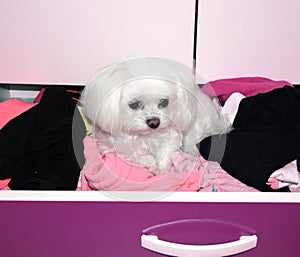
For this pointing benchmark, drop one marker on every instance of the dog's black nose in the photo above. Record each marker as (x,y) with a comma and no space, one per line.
(153,122)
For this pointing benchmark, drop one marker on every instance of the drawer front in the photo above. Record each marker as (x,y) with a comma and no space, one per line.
(94,229)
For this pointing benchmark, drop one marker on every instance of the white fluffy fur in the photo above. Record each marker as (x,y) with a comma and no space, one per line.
(188,116)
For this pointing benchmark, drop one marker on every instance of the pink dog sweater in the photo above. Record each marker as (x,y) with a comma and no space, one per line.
(110,173)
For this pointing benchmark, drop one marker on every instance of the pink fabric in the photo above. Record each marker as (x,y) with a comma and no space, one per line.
(4,184)
(286,176)
(10,109)
(38,98)
(221,181)
(111,173)
(248,86)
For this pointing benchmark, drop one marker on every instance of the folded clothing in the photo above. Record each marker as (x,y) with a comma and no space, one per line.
(110,173)
(286,176)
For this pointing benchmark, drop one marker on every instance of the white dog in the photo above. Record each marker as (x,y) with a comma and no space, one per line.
(147,109)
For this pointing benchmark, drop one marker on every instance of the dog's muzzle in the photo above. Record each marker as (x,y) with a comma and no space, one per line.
(153,122)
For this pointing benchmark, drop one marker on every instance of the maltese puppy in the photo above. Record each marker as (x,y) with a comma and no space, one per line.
(147,109)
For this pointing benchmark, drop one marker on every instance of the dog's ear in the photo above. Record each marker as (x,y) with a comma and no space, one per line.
(185,109)
(108,114)
(101,100)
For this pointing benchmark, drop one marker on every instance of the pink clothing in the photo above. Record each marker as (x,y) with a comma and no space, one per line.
(248,86)
(10,109)
(4,184)
(110,173)
(286,176)
(221,181)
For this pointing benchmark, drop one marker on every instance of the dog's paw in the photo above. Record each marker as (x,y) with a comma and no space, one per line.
(162,167)
(154,170)
(147,161)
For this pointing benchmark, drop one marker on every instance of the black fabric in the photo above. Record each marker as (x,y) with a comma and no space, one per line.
(42,148)
(266,137)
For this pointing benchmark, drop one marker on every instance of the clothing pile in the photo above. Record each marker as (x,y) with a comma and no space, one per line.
(41,147)
(49,145)
(265,139)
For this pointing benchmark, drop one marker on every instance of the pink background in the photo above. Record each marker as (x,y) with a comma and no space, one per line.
(249,37)
(67,41)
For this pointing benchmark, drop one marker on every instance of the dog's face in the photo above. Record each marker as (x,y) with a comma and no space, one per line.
(148,106)
(141,96)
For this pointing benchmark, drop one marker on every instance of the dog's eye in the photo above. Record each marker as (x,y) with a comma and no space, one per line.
(163,103)
(135,105)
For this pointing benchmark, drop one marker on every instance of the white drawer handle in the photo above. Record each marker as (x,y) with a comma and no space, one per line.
(153,243)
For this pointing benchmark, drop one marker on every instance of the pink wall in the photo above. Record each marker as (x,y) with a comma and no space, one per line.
(66,41)
(253,37)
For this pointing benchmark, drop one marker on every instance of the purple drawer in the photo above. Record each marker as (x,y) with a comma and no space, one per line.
(113,228)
